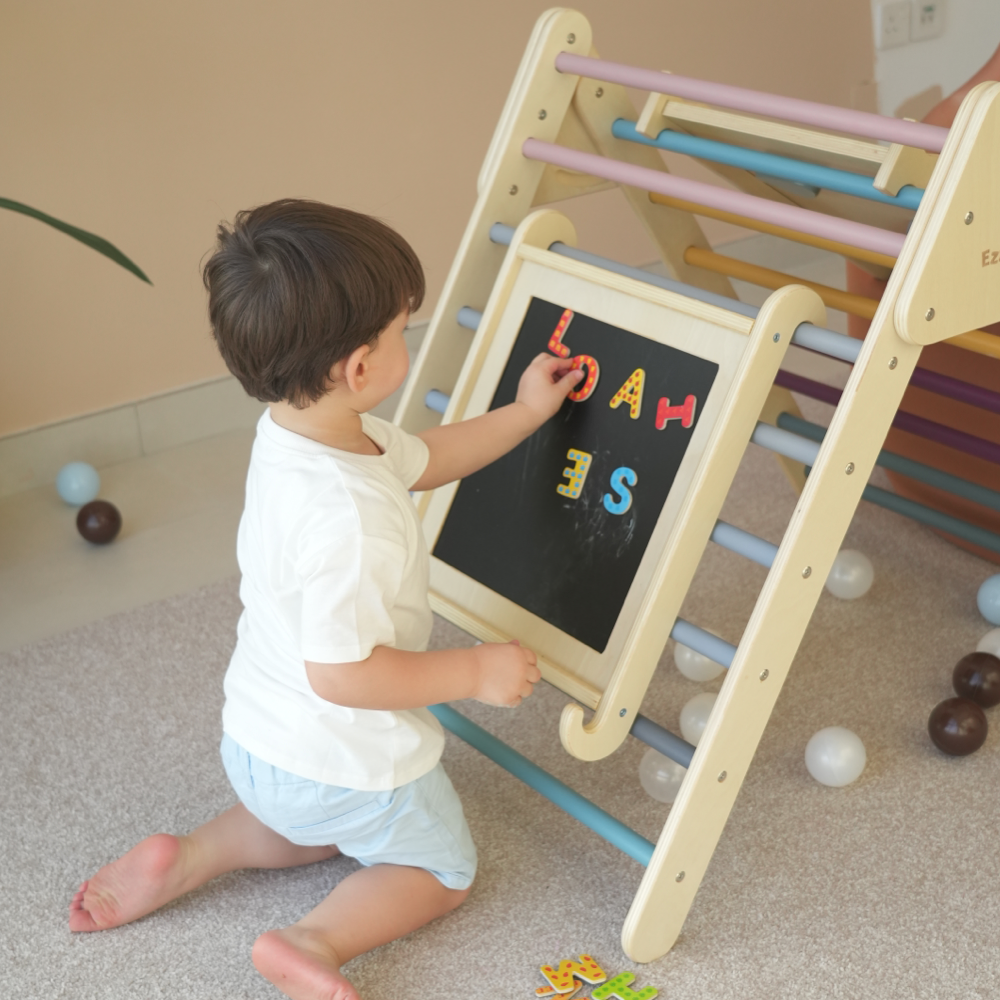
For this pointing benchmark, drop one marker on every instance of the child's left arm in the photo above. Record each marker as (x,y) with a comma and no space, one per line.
(458,450)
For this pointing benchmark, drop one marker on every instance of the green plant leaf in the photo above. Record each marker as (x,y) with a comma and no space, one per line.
(92,241)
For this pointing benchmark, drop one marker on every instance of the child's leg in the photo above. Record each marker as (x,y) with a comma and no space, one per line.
(368,908)
(163,867)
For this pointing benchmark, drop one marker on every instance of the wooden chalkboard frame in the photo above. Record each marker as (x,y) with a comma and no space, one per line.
(748,354)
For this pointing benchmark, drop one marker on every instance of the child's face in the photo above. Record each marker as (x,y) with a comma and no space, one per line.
(390,359)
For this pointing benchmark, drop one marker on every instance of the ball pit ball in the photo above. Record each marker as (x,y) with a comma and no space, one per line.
(694,716)
(695,666)
(988,599)
(78,483)
(99,522)
(957,726)
(977,677)
(990,643)
(835,756)
(851,575)
(659,776)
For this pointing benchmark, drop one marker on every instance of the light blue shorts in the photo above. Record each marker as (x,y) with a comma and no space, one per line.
(420,824)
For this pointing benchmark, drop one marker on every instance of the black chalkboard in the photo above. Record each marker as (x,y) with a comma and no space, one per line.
(571,560)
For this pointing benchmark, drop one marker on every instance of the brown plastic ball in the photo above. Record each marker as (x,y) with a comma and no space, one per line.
(977,677)
(99,521)
(957,726)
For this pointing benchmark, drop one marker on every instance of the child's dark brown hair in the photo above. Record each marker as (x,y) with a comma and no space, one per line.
(296,286)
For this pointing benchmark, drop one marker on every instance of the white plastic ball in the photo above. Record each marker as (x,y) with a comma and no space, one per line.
(695,666)
(988,599)
(694,716)
(78,483)
(990,643)
(659,776)
(835,756)
(851,575)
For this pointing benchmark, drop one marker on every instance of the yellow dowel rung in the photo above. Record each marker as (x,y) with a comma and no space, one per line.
(977,341)
(855,253)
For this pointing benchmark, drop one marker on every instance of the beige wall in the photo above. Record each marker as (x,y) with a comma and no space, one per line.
(147,124)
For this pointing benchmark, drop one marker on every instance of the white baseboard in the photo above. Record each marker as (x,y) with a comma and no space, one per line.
(34,457)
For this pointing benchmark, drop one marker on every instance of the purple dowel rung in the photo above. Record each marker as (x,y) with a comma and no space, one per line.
(855,234)
(792,109)
(953,388)
(908,422)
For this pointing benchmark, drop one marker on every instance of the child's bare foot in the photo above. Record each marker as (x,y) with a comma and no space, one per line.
(139,882)
(302,965)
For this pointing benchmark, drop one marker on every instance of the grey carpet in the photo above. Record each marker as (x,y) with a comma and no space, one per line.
(886,888)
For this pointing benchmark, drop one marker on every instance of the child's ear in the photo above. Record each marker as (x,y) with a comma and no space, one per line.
(354,368)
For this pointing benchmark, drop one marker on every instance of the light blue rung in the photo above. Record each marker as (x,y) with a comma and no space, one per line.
(785,443)
(770,165)
(592,816)
(814,338)
(436,400)
(655,736)
(743,543)
(703,642)
(469,317)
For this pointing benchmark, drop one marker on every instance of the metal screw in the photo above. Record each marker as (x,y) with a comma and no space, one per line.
(850,468)
(571,38)
(807,572)
(722,776)
(599,92)
(929,315)
(542,115)
(893,362)
(513,189)
(968,218)
(623,713)
(680,877)
(764,674)
(776,337)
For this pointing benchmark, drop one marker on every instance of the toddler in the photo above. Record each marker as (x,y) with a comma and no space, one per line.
(327,739)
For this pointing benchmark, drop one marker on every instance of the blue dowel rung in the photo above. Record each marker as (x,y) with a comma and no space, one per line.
(580,808)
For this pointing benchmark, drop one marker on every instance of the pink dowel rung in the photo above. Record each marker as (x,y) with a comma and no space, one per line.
(929,137)
(855,234)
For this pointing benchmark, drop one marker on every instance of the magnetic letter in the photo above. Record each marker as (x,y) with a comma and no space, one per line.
(561,980)
(618,987)
(684,413)
(618,478)
(631,393)
(556,346)
(589,384)
(576,475)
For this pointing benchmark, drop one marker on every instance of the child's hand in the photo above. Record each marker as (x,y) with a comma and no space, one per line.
(546,382)
(507,673)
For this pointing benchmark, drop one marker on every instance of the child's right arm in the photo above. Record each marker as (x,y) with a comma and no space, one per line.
(393,679)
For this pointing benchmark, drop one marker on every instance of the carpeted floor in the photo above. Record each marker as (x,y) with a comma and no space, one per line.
(886,888)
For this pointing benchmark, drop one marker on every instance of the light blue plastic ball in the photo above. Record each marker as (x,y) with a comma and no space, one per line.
(988,599)
(78,483)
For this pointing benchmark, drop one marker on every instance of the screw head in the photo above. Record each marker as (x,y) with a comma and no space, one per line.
(722,776)
(679,877)
(893,362)
(929,315)
(968,218)
(850,468)
(599,92)
(542,115)
(776,337)
(807,572)
(764,674)
(513,189)
(623,713)
(570,38)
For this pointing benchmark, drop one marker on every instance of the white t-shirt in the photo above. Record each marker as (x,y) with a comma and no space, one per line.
(334,563)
